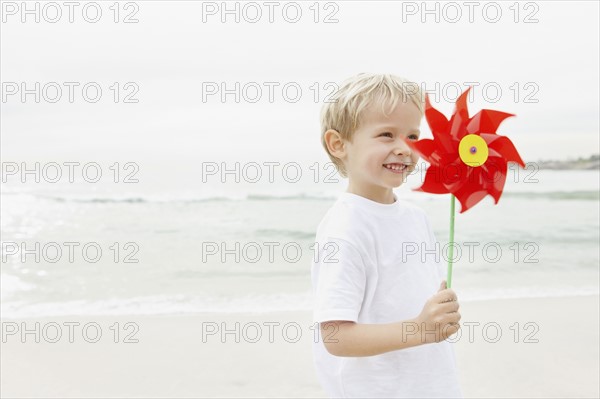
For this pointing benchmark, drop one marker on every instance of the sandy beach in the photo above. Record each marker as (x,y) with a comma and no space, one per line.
(552,352)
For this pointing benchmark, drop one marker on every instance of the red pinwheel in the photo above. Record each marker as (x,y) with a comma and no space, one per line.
(468,159)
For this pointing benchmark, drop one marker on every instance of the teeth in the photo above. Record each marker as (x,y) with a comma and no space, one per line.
(395,166)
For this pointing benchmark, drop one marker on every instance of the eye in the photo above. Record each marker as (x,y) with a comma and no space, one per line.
(413,137)
(386,134)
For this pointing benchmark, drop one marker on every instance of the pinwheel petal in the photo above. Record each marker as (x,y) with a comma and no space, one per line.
(461,105)
(456,175)
(494,176)
(469,199)
(506,148)
(487,121)
(493,153)
(424,148)
(460,117)
(457,126)
(472,190)
(435,119)
(432,182)
(446,144)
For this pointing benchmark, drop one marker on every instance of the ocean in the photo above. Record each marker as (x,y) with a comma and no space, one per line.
(173,244)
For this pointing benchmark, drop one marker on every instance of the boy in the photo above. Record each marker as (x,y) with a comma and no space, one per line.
(384,316)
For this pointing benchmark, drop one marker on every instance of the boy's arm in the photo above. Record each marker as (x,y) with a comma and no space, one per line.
(347,338)
(438,320)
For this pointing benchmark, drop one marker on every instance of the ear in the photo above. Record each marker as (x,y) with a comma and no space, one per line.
(335,144)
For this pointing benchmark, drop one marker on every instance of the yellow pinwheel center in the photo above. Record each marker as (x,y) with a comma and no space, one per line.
(473,150)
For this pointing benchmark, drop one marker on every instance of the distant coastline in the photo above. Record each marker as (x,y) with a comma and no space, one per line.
(590,163)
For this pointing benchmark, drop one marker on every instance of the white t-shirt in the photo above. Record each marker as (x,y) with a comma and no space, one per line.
(382,275)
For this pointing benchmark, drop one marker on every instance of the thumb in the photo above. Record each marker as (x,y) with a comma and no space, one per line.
(442,285)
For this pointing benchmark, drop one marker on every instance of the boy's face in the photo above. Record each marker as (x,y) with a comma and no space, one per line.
(378,158)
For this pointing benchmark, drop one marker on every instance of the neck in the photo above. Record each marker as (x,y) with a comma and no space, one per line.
(374,193)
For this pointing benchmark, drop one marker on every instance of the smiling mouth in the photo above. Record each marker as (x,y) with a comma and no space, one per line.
(395,167)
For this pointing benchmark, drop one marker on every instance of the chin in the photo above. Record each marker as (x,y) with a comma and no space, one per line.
(391,185)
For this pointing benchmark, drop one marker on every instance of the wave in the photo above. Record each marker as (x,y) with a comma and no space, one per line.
(278,233)
(556,195)
(281,302)
(588,195)
(175,199)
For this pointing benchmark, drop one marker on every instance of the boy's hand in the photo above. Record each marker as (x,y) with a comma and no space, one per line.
(439,318)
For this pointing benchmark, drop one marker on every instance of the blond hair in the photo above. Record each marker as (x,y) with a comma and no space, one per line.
(344,111)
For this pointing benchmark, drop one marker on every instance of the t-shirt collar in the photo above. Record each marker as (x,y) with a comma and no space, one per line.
(370,205)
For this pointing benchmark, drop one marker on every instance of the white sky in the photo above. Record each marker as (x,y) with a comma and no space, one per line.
(170,52)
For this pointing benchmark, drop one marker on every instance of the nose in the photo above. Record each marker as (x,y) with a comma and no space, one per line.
(402,148)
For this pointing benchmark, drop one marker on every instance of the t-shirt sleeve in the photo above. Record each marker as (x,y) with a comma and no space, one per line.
(340,272)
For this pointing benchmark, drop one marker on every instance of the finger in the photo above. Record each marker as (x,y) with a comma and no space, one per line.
(451,295)
(450,292)
(450,307)
(451,329)
(442,285)
(444,297)
(454,318)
